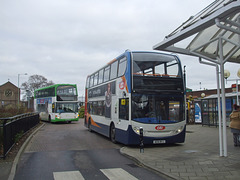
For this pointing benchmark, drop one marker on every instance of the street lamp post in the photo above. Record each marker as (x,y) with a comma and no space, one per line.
(18,88)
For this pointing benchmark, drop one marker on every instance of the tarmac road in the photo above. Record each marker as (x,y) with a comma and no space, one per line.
(70,151)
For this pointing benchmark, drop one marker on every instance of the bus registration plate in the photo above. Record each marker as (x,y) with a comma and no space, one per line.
(159,141)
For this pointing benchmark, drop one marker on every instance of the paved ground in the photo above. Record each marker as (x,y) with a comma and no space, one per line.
(70,149)
(197,158)
(8,165)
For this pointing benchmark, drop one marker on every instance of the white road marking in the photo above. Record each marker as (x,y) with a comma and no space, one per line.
(117,174)
(68,175)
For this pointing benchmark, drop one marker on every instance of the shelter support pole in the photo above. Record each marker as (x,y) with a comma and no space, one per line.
(237,92)
(219,114)
(219,105)
(223,97)
(239,43)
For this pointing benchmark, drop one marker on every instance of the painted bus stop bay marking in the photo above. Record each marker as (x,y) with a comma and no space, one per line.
(112,174)
(117,174)
(70,175)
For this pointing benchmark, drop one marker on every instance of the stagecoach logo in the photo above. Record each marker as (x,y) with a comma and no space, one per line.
(122,85)
(160,127)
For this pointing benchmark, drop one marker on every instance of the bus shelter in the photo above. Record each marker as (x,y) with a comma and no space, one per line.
(213,34)
(209,108)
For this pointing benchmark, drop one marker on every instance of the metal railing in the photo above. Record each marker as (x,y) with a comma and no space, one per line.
(12,128)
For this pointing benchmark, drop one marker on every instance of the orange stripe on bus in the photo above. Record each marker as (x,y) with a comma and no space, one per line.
(112,61)
(94,124)
(125,82)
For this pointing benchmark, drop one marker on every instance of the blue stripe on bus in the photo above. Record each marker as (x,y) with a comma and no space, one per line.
(128,72)
(153,120)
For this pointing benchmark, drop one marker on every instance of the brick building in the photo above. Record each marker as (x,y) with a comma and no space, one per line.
(197,94)
(9,94)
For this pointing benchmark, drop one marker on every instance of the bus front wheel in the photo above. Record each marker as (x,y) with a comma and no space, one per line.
(113,133)
(49,118)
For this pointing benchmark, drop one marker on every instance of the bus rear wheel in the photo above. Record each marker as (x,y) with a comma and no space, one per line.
(113,133)
(89,125)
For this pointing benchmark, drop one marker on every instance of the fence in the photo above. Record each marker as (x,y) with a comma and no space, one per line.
(12,128)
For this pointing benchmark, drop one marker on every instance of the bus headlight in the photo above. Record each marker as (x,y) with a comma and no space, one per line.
(136,130)
(57,116)
(179,129)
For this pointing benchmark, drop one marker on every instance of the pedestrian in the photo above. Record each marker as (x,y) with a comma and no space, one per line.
(235,124)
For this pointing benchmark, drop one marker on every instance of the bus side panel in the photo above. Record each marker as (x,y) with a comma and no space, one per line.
(129,137)
(86,116)
(102,129)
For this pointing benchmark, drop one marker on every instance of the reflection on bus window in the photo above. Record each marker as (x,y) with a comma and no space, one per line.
(106,74)
(122,66)
(100,78)
(66,93)
(156,109)
(66,107)
(155,65)
(114,67)
(124,108)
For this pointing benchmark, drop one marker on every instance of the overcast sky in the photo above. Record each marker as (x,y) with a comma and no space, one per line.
(65,40)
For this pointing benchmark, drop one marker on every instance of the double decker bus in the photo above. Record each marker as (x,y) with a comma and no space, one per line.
(137,90)
(57,103)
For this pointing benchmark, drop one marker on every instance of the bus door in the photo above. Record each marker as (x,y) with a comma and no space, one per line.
(114,109)
(43,111)
(123,113)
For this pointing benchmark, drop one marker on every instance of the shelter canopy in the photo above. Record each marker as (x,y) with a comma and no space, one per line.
(200,33)
(214,35)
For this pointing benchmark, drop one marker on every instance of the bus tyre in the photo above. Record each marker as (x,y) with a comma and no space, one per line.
(89,125)
(113,133)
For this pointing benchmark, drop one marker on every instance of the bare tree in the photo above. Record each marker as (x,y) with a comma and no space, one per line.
(35,82)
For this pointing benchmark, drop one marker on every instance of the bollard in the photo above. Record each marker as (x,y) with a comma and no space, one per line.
(141,140)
